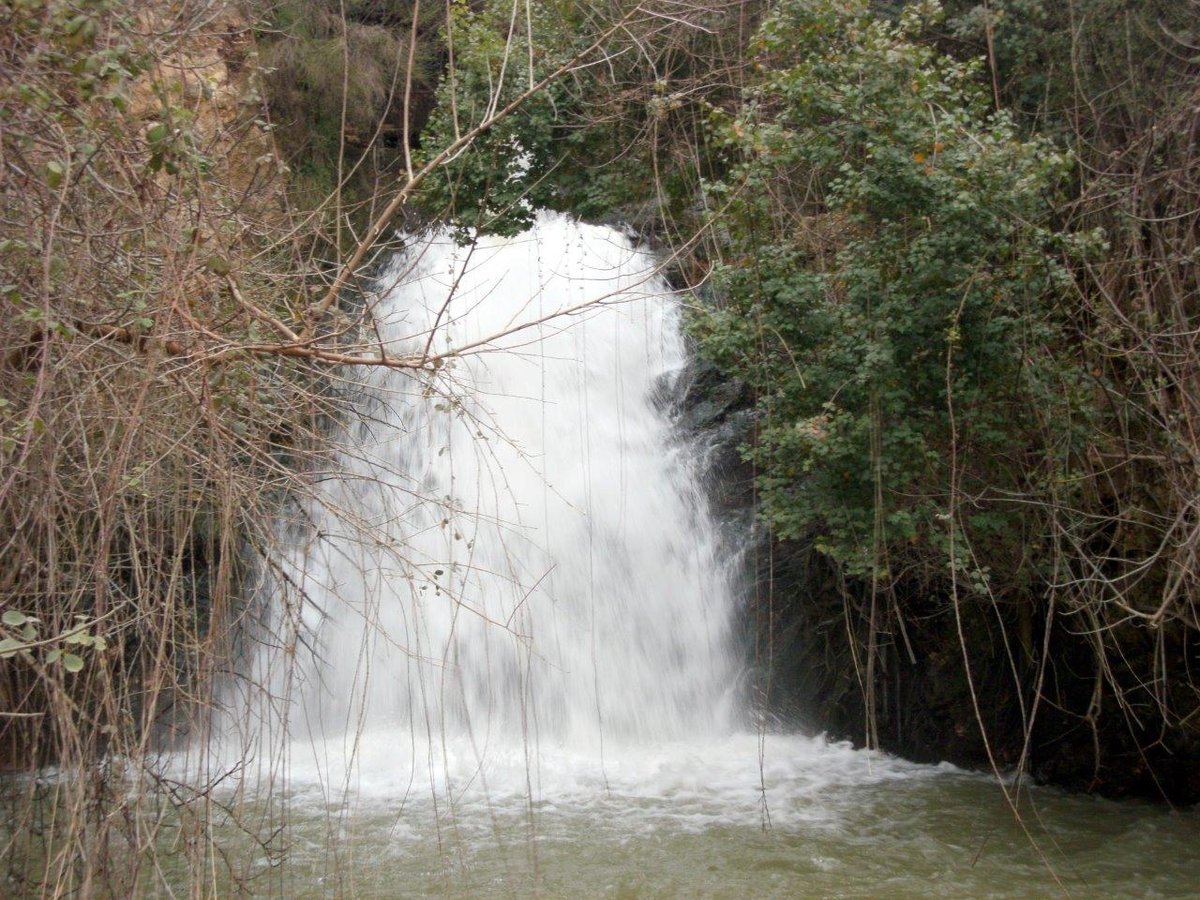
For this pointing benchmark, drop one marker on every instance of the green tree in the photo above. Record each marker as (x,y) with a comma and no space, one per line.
(496,183)
(891,289)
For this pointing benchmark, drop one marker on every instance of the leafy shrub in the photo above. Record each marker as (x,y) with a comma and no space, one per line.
(892,290)
(621,135)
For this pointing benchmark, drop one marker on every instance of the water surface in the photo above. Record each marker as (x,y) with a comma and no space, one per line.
(813,820)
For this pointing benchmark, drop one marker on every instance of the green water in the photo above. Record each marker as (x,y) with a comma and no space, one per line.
(741,817)
(835,823)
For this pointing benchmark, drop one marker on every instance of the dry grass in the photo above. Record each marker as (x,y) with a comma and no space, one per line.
(144,230)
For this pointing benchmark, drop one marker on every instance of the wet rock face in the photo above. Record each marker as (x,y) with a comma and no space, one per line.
(712,399)
(717,412)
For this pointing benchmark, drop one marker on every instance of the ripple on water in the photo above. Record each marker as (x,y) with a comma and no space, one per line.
(690,821)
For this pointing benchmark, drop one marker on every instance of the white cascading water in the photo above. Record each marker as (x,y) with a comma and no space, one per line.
(513,557)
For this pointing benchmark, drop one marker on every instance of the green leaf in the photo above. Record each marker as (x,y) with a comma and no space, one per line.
(53,656)
(55,173)
(14,618)
(157,133)
(72,663)
(9,647)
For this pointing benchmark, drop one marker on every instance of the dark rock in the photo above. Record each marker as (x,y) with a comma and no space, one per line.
(711,397)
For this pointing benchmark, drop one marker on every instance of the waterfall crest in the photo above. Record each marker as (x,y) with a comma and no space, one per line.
(513,552)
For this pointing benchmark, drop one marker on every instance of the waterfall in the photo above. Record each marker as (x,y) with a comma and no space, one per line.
(497,660)
(513,554)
